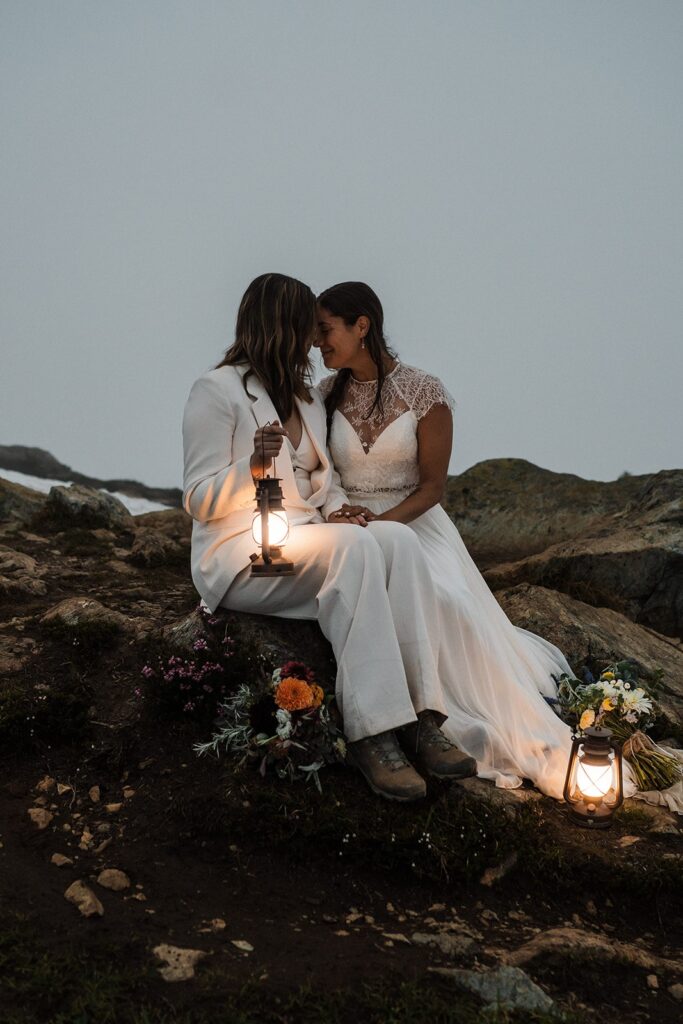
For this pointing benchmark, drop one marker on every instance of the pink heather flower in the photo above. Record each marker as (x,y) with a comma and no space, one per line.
(148,672)
(200,645)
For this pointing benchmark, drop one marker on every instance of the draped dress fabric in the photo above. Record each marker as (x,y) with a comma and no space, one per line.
(494,675)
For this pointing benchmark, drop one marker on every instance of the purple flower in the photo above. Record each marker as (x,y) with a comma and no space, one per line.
(200,645)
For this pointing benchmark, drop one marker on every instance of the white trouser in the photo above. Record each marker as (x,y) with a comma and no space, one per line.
(370,591)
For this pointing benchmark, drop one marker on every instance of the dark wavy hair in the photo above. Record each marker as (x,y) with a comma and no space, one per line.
(275,322)
(350,300)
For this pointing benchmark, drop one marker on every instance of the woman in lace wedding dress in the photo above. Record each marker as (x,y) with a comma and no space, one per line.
(390,430)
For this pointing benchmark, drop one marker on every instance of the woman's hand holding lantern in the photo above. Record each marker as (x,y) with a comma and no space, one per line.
(268,441)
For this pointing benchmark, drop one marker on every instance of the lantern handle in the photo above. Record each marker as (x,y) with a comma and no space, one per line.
(264,512)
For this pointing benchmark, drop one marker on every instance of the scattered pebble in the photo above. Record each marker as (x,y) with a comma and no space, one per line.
(112,878)
(94,794)
(40,817)
(179,963)
(216,924)
(652,981)
(60,860)
(84,898)
(243,945)
(627,841)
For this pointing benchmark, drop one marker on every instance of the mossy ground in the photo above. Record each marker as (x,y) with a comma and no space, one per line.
(314,882)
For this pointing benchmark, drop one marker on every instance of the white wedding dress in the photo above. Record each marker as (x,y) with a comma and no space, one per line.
(495,676)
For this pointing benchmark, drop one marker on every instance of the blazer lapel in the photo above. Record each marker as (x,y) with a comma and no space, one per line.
(314,422)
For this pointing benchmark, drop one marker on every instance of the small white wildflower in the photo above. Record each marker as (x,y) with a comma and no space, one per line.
(284,724)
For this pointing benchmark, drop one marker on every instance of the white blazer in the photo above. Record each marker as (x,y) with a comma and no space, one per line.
(219,423)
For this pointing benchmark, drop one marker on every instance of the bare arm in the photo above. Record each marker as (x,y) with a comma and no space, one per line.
(434,442)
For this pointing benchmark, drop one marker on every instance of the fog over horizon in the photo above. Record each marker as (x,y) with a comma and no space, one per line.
(507,176)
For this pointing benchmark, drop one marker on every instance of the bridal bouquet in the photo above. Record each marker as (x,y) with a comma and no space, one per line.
(615,701)
(283,722)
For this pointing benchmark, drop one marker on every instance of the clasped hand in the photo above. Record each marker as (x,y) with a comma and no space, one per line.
(357,514)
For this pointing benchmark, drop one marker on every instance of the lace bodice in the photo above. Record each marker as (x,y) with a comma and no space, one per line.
(377,453)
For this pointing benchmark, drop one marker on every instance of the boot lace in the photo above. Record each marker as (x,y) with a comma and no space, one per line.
(389,753)
(431,735)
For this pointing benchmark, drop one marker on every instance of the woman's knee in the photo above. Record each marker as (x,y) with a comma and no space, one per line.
(394,535)
(355,542)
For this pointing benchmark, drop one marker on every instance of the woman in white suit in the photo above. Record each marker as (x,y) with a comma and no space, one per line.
(360,581)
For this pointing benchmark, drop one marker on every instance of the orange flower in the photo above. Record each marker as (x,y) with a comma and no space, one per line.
(318,694)
(294,694)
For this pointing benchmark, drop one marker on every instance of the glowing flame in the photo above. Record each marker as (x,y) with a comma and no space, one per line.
(595,781)
(278,528)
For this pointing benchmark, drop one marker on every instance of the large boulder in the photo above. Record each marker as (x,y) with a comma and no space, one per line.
(84,618)
(85,507)
(20,575)
(18,503)
(173,522)
(583,632)
(632,562)
(152,548)
(506,509)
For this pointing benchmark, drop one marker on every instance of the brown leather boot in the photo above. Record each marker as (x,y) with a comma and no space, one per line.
(433,752)
(386,770)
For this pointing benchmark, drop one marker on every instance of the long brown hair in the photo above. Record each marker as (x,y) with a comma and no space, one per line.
(350,300)
(275,322)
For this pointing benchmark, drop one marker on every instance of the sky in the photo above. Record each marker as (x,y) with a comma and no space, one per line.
(506,174)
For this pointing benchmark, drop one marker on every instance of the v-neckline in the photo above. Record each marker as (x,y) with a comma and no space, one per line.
(366,451)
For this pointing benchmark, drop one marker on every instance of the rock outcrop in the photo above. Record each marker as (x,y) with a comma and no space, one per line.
(585,633)
(38,462)
(631,562)
(84,506)
(507,509)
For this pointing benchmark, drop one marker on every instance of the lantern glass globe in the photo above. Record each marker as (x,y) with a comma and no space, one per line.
(278,527)
(595,781)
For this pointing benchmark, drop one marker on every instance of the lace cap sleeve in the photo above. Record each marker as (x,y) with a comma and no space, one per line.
(324,386)
(430,392)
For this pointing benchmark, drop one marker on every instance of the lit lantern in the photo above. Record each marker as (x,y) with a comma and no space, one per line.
(594,786)
(270,529)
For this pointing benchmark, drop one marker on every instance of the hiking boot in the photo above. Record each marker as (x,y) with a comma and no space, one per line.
(433,751)
(386,770)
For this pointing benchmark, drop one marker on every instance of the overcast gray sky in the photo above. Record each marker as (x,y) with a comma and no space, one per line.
(506,175)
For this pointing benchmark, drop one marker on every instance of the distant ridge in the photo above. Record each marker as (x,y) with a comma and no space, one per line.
(38,462)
